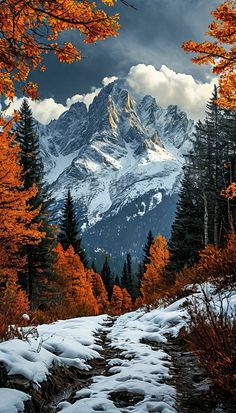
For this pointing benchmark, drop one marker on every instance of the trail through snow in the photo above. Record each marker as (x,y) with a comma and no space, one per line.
(128,372)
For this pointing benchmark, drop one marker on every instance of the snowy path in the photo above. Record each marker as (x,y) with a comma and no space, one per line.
(137,378)
(134,363)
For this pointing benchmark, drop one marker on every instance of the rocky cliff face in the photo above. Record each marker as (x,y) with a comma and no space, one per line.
(122,161)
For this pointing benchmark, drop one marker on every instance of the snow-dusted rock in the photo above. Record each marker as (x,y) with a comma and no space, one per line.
(121,160)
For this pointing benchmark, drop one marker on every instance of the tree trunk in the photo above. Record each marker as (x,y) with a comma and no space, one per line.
(205,219)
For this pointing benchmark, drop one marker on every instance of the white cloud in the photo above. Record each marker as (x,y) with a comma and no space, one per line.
(43,110)
(87,98)
(46,110)
(169,87)
(107,80)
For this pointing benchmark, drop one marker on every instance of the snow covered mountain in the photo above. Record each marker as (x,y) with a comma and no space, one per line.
(122,161)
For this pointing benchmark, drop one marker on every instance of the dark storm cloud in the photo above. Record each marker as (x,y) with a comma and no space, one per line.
(152,35)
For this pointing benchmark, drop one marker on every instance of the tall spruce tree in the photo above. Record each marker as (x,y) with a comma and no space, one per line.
(69,234)
(203,216)
(39,269)
(128,279)
(139,277)
(187,230)
(107,278)
(146,250)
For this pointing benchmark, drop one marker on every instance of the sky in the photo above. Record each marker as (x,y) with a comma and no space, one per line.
(147,52)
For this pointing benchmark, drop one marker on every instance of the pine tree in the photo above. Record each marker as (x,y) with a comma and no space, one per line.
(39,258)
(139,277)
(30,158)
(128,279)
(203,215)
(124,275)
(107,278)
(187,230)
(69,234)
(146,250)
(130,284)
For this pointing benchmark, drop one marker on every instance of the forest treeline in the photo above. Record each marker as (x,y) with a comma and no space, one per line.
(44,268)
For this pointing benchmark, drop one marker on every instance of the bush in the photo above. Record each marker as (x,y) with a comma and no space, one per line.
(212,337)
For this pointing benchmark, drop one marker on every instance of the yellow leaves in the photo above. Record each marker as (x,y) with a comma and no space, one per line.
(222,58)
(28,27)
(109,2)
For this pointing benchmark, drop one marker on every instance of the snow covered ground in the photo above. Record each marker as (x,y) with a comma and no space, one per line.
(138,368)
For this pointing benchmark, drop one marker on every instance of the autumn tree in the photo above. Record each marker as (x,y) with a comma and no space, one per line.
(154,279)
(69,234)
(16,227)
(31,29)
(120,301)
(220,52)
(75,296)
(13,305)
(99,290)
(39,266)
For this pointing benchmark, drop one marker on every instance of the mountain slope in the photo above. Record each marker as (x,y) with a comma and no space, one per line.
(122,161)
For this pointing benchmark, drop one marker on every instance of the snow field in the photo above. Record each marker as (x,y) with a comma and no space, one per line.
(137,367)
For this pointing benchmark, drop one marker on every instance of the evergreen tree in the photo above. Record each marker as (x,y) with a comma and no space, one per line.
(40,258)
(69,234)
(146,250)
(124,275)
(30,159)
(107,278)
(139,277)
(203,215)
(187,230)
(128,278)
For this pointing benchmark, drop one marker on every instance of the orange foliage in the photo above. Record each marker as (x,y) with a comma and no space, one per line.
(13,304)
(15,215)
(99,290)
(121,301)
(217,265)
(212,339)
(75,295)
(16,228)
(230,191)
(153,280)
(30,29)
(222,58)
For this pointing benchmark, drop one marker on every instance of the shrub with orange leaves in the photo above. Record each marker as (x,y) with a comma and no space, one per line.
(75,295)
(13,304)
(220,52)
(153,280)
(217,265)
(30,29)
(211,336)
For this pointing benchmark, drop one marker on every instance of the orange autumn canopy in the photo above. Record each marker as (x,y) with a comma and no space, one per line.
(29,29)
(221,52)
